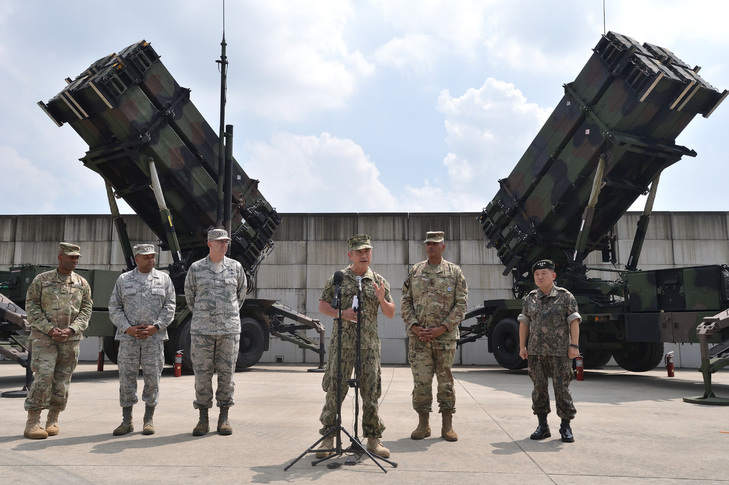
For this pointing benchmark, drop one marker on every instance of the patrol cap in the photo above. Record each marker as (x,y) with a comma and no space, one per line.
(434,236)
(143,249)
(359,241)
(543,264)
(218,235)
(69,249)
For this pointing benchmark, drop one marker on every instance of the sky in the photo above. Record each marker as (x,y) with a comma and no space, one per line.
(351,106)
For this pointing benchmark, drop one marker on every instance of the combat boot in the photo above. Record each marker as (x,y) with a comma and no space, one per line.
(326,447)
(33,429)
(423,429)
(565,431)
(447,430)
(224,427)
(52,422)
(147,424)
(542,430)
(127,425)
(375,447)
(203,425)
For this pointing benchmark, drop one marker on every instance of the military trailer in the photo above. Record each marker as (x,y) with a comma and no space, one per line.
(154,150)
(604,145)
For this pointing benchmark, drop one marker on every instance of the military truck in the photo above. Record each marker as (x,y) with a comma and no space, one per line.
(604,145)
(154,150)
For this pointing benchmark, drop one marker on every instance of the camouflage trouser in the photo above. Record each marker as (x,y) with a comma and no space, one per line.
(370,389)
(52,364)
(428,359)
(211,354)
(133,354)
(541,367)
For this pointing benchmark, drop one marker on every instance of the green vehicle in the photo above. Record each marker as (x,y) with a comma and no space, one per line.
(605,144)
(154,150)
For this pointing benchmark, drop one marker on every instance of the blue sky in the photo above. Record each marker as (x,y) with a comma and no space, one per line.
(343,106)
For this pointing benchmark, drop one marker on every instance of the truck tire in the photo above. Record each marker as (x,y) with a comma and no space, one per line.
(505,344)
(594,359)
(639,356)
(111,349)
(251,343)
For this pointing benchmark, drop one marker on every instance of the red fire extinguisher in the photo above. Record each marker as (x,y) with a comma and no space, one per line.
(579,366)
(100,360)
(669,364)
(178,363)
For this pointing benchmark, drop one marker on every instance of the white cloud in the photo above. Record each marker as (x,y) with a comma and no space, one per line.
(22,178)
(317,174)
(413,52)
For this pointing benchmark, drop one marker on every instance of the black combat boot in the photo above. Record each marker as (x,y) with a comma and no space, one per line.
(566,432)
(542,430)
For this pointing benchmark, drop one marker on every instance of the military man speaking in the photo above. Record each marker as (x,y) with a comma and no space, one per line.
(58,305)
(141,307)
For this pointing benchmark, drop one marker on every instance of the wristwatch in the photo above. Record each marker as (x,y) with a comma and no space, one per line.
(575,346)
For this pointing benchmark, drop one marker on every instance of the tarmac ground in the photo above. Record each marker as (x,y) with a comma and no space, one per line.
(630,428)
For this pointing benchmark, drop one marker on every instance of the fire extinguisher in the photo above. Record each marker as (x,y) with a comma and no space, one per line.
(178,363)
(579,366)
(669,363)
(100,360)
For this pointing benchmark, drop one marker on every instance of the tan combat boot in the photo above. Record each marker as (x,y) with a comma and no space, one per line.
(447,431)
(327,445)
(127,425)
(423,429)
(224,427)
(52,422)
(33,428)
(375,447)
(147,423)
(203,424)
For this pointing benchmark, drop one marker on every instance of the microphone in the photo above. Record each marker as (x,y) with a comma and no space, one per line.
(338,279)
(358,279)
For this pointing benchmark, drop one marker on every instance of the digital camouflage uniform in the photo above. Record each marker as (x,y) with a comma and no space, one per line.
(55,300)
(141,299)
(548,318)
(369,376)
(433,296)
(215,294)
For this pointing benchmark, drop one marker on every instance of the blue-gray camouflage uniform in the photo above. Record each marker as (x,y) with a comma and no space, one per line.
(63,301)
(369,376)
(215,294)
(433,296)
(548,318)
(141,299)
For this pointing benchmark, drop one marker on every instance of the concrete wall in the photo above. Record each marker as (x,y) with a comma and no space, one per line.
(311,247)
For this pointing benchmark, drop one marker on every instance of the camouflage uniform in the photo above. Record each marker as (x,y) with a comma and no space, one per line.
(62,301)
(141,299)
(548,318)
(215,295)
(369,376)
(433,296)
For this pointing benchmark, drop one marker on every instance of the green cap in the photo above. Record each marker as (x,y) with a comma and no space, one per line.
(543,264)
(69,249)
(359,241)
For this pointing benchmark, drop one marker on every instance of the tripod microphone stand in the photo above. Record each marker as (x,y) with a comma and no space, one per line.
(356,445)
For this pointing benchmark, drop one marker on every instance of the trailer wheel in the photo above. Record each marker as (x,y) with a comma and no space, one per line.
(251,343)
(505,344)
(111,349)
(594,359)
(639,356)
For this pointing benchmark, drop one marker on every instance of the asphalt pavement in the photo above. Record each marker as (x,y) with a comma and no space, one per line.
(630,428)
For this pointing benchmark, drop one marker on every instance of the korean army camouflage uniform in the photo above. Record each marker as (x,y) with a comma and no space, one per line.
(141,299)
(55,300)
(548,318)
(369,377)
(433,296)
(215,294)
